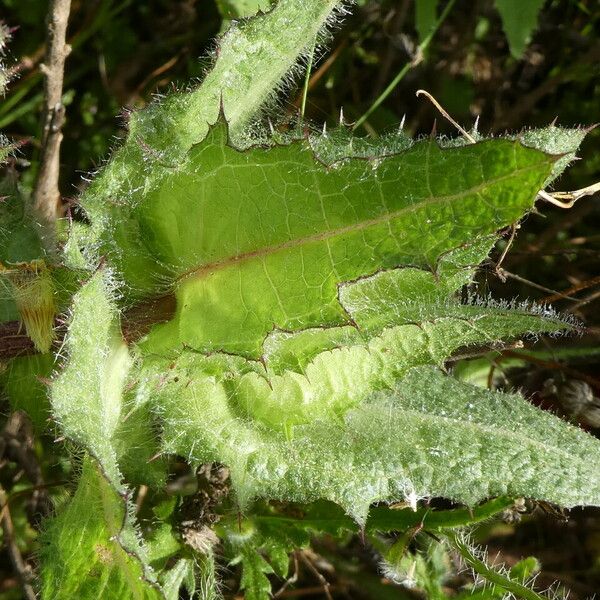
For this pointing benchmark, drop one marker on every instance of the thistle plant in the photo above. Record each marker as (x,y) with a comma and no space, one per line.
(280,303)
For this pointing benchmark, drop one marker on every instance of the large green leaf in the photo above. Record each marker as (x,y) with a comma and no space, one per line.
(253,61)
(261,239)
(283,425)
(315,283)
(430,436)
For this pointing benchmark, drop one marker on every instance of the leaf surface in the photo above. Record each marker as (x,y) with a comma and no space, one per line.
(261,239)
(252,62)
(519,20)
(87,395)
(430,436)
(91,550)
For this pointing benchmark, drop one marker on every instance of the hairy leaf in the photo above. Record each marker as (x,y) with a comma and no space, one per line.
(431,436)
(91,550)
(255,569)
(262,238)
(181,574)
(558,141)
(87,395)
(252,61)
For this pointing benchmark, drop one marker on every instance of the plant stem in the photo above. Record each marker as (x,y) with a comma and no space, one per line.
(421,48)
(480,567)
(46,194)
(307,79)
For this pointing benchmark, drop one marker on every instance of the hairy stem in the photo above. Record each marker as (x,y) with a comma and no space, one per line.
(480,567)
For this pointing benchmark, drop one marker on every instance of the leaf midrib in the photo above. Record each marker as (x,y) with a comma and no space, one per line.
(209,268)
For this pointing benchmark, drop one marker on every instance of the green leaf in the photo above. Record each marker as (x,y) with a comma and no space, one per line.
(278,261)
(384,519)
(235,9)
(253,60)
(88,398)
(182,573)
(107,556)
(402,318)
(293,526)
(87,395)
(425,569)
(519,20)
(425,17)
(255,568)
(91,549)
(456,441)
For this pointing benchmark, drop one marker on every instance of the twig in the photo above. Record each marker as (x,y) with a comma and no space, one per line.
(513,232)
(445,114)
(158,71)
(14,341)
(46,194)
(22,569)
(324,583)
(504,273)
(552,365)
(567,199)
(586,300)
(575,288)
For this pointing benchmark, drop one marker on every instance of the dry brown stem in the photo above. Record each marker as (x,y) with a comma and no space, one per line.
(46,194)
